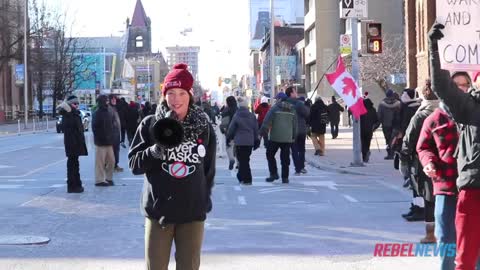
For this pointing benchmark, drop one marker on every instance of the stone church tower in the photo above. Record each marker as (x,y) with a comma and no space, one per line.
(139,33)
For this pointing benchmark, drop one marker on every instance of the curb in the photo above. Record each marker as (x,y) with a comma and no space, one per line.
(332,168)
(12,134)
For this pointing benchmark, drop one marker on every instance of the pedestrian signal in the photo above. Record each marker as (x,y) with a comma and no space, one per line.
(374,38)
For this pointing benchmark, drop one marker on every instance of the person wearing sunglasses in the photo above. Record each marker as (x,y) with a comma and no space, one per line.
(74,142)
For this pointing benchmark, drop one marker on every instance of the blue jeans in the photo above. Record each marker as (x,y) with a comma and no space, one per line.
(298,152)
(445,207)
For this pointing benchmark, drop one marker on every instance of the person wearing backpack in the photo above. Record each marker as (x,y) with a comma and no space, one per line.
(227,115)
(318,122)
(280,124)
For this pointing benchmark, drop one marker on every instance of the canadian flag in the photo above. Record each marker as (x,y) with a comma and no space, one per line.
(347,88)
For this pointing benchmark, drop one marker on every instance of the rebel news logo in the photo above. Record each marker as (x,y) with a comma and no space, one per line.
(414,250)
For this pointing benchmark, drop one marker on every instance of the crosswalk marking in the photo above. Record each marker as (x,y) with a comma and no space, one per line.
(329,184)
(22,180)
(350,198)
(10,186)
(58,185)
(289,189)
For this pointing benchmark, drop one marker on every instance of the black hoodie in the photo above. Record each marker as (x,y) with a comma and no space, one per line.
(178,185)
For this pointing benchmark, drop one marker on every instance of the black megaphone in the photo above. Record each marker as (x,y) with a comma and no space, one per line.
(168,131)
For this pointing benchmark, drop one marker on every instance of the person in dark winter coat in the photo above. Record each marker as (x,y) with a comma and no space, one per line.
(178,180)
(133,118)
(122,108)
(261,110)
(116,131)
(244,131)
(334,110)
(147,110)
(318,123)
(388,111)
(298,147)
(409,106)
(412,168)
(368,124)
(465,109)
(227,115)
(74,141)
(103,136)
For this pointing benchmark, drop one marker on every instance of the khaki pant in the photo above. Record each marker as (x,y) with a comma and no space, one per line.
(318,141)
(104,163)
(188,239)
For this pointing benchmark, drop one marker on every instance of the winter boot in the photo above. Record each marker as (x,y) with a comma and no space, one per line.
(412,207)
(417,215)
(272,178)
(429,234)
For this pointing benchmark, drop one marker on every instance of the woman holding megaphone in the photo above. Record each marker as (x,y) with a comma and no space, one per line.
(175,150)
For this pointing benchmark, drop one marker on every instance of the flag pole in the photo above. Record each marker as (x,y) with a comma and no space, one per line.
(357,143)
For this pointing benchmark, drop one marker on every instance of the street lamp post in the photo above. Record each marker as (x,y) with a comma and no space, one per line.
(25,60)
(272,50)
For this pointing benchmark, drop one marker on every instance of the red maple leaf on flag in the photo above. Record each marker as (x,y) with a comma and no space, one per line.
(349,87)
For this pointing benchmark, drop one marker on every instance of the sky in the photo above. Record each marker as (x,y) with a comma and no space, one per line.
(219,27)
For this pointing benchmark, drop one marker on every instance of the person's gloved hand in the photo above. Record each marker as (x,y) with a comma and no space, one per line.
(157,151)
(435,34)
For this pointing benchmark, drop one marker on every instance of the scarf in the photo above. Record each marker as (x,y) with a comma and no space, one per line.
(194,124)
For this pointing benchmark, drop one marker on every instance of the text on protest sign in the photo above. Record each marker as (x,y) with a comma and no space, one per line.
(460,48)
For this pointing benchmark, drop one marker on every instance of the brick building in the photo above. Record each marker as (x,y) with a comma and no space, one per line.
(419,17)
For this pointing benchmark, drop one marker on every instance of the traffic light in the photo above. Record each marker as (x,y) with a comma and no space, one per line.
(220,80)
(374,38)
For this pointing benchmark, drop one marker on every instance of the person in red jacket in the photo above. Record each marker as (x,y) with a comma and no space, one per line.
(262,110)
(436,146)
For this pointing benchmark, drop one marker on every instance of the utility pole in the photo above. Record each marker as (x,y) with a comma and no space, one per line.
(25,62)
(148,78)
(357,143)
(272,51)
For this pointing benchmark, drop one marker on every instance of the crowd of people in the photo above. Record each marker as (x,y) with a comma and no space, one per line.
(283,125)
(114,123)
(432,135)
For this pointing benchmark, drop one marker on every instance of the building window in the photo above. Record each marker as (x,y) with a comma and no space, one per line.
(311,36)
(313,75)
(139,42)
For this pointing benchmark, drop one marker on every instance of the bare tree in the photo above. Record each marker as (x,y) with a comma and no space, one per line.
(11,35)
(58,58)
(40,36)
(378,67)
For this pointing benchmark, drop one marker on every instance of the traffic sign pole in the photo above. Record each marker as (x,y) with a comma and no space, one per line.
(357,143)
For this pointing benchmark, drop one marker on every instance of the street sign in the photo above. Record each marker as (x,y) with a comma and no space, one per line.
(354,9)
(345,44)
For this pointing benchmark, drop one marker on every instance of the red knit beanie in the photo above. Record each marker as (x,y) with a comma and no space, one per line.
(178,77)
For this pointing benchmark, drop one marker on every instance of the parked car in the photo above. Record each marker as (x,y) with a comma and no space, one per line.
(85,115)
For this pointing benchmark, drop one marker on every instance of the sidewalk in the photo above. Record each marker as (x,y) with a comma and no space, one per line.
(339,155)
(9,129)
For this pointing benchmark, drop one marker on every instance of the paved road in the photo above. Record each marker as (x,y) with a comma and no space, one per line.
(322,220)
